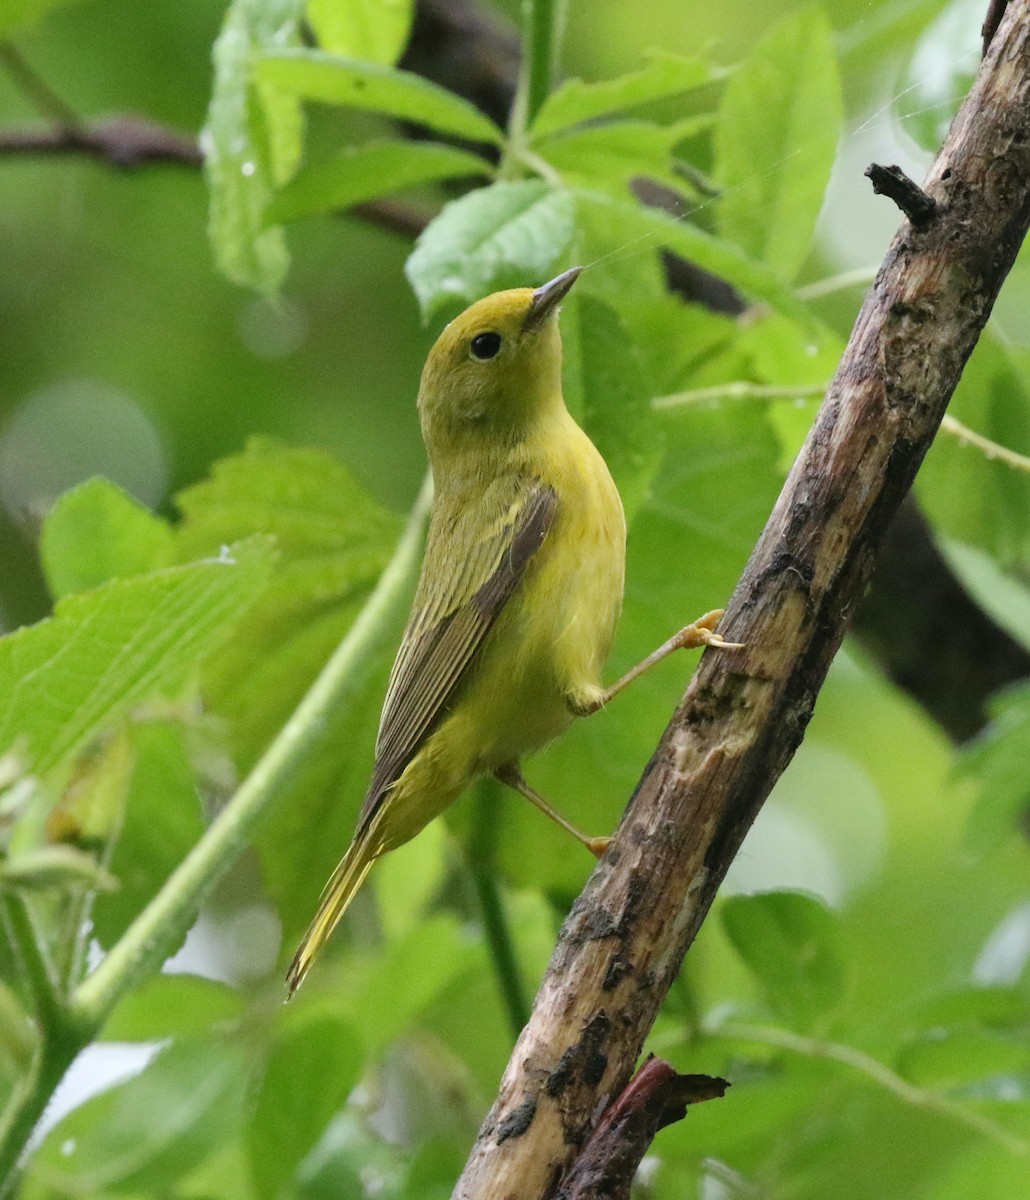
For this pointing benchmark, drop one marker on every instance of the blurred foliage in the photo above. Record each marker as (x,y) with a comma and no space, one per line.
(865,982)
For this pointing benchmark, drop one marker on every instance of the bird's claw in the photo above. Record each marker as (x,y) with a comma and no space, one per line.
(702,633)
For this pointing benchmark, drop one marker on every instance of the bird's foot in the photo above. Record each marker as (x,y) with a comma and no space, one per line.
(702,633)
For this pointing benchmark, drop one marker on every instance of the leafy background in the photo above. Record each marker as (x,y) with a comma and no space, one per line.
(238,362)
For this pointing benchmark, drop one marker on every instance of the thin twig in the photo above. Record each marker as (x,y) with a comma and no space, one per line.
(859,277)
(743,390)
(740,389)
(875,1070)
(36,90)
(992,450)
(127,142)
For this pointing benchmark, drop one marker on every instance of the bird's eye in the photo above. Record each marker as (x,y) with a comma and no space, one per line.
(485,346)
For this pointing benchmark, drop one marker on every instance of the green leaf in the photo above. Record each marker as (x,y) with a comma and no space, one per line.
(342,1163)
(664,76)
(791,942)
(143,1135)
(314,1064)
(67,678)
(433,1169)
(281,120)
(324,798)
(333,543)
(168,1006)
(14,14)
(374,31)
(1002,593)
(413,971)
(607,392)
(996,762)
(611,225)
(18,1037)
(776,139)
(98,532)
(408,878)
(163,820)
(364,172)
(981,1171)
(403,95)
(974,1006)
(249,145)
(59,867)
(955,1059)
(608,157)
(91,809)
(506,235)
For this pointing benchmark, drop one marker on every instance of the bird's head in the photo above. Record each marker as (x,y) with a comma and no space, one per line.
(495,368)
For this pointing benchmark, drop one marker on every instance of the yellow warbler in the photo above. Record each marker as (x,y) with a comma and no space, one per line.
(520,590)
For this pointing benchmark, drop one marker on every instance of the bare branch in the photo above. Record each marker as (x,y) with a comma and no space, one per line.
(952,655)
(655,1097)
(744,715)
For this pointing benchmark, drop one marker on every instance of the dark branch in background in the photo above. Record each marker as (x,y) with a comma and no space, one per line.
(395,216)
(456,44)
(126,141)
(995,12)
(949,666)
(953,655)
(744,714)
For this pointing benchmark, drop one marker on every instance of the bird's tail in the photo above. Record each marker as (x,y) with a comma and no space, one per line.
(336,897)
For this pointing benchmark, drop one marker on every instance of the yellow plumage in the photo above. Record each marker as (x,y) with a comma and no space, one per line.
(520,590)
(499,437)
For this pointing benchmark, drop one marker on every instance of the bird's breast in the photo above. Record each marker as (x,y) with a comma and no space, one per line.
(555,634)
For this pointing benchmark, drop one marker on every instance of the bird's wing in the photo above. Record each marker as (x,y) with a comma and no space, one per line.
(448,626)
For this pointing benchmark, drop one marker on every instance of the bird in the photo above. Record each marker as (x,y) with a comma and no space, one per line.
(519,594)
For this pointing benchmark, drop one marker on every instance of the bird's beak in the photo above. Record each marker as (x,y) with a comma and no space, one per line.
(547,298)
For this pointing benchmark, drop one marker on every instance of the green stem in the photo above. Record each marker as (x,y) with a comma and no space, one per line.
(876,1071)
(991,450)
(542,22)
(59,1043)
(738,390)
(743,390)
(860,277)
(31,1097)
(151,936)
(483,869)
(36,966)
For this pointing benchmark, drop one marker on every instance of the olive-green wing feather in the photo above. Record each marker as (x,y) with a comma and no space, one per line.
(450,620)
